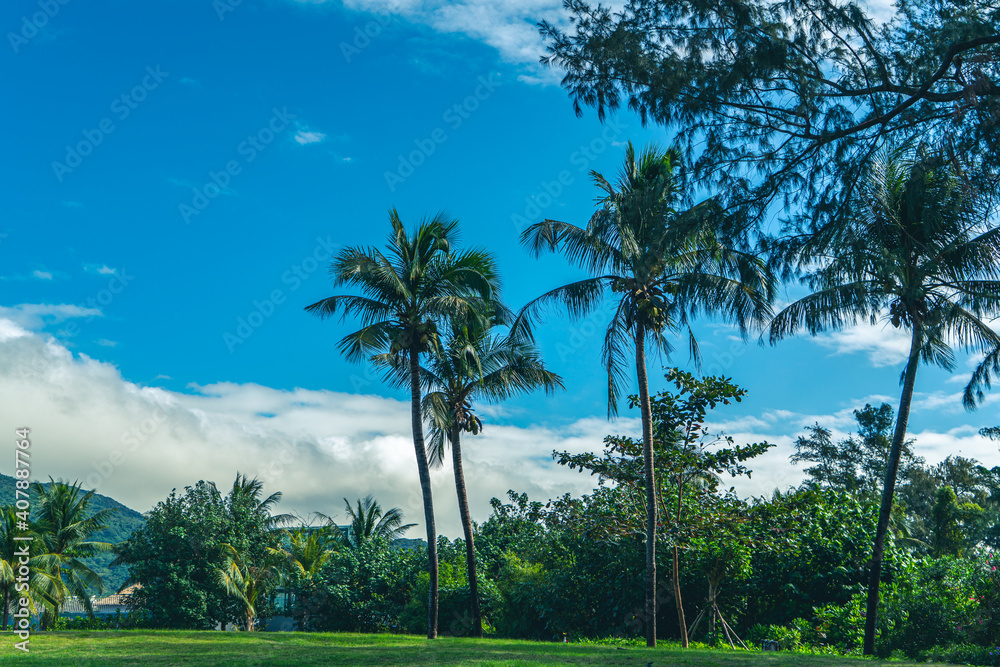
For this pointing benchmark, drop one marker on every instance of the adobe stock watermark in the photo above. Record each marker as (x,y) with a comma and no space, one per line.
(281,455)
(32,25)
(547,192)
(293,277)
(363,35)
(722,362)
(115,286)
(223,7)
(121,107)
(454,116)
(22,541)
(248,150)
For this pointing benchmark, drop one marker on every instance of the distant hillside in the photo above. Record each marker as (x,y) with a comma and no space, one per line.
(409,543)
(124,521)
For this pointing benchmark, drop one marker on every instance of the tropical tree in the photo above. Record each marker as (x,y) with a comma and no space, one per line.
(40,580)
(66,527)
(249,583)
(307,550)
(787,100)
(476,364)
(251,523)
(689,459)
(951,534)
(917,248)
(405,292)
(854,464)
(369,522)
(8,557)
(175,554)
(663,265)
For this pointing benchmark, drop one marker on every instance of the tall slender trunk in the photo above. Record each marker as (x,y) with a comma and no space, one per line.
(6,607)
(678,601)
(425,487)
(712,587)
(470,546)
(648,463)
(889,488)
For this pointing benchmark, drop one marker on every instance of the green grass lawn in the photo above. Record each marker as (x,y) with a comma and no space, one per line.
(153,648)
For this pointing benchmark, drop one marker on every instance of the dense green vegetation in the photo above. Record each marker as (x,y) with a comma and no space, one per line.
(120,523)
(791,567)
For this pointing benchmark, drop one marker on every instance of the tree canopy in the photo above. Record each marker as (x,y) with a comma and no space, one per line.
(789,99)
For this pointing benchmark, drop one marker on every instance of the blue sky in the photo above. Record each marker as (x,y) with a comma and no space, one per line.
(175,169)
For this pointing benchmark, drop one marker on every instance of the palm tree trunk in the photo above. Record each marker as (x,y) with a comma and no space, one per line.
(647,454)
(678,601)
(425,487)
(889,488)
(6,605)
(470,548)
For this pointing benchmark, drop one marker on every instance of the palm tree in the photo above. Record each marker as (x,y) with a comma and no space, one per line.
(40,581)
(915,248)
(405,291)
(66,527)
(250,584)
(307,550)
(246,496)
(9,560)
(369,522)
(663,265)
(476,364)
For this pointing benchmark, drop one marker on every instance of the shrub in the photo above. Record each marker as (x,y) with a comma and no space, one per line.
(134,619)
(968,654)
(842,626)
(788,638)
(935,603)
(84,623)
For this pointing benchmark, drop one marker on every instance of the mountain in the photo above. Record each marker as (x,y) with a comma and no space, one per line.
(123,522)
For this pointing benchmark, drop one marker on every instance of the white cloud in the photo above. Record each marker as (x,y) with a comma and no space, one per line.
(34,316)
(10,329)
(102,269)
(42,275)
(963,441)
(136,443)
(884,344)
(509,27)
(304,137)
